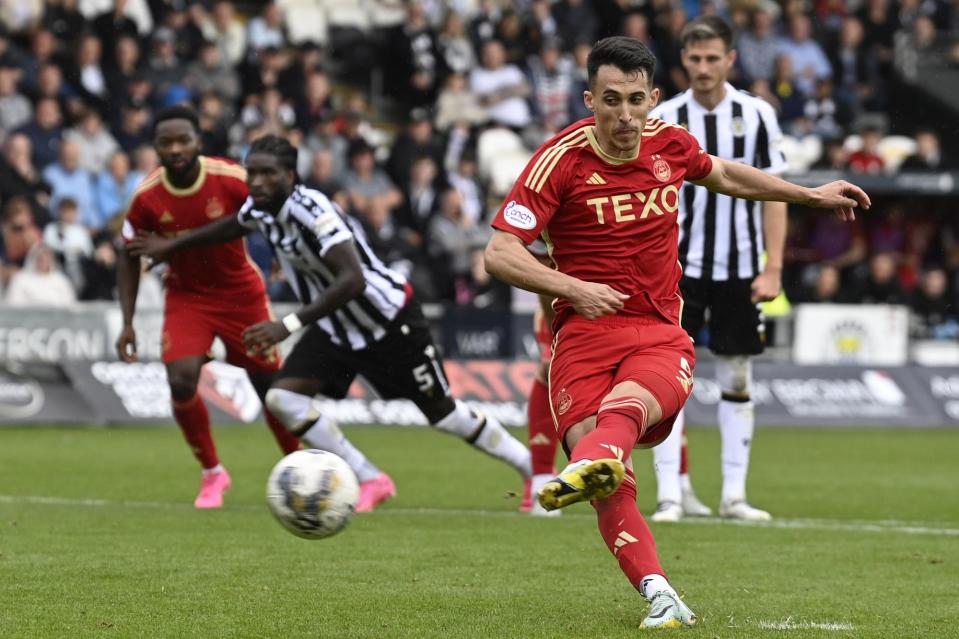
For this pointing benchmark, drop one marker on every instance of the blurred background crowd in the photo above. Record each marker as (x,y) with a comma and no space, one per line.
(417,115)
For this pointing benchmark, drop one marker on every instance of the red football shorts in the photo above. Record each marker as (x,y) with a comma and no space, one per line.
(592,356)
(190,324)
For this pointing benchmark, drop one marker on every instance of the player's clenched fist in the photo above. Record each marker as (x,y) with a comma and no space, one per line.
(592,300)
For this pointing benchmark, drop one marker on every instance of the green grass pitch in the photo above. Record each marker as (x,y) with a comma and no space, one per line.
(98,539)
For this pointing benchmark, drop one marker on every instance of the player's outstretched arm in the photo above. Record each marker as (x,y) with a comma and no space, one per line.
(743,181)
(508,260)
(128,284)
(348,283)
(160,248)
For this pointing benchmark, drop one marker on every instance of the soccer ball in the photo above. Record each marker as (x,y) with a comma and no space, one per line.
(312,493)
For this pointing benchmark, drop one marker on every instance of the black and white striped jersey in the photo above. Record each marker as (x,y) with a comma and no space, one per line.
(721,237)
(305,229)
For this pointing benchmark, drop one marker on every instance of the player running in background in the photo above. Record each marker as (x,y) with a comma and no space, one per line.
(358,318)
(604,194)
(721,243)
(210,292)
(541,431)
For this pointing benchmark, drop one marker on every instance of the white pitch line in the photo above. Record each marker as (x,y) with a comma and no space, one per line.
(879,526)
(788,624)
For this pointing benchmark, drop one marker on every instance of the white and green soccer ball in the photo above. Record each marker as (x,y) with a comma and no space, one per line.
(313,493)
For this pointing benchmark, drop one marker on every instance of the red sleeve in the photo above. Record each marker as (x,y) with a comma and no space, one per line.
(535,196)
(138,218)
(698,162)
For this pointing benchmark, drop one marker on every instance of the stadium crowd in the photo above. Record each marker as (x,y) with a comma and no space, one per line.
(408,114)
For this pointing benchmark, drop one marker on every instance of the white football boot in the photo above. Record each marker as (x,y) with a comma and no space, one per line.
(667,512)
(740,509)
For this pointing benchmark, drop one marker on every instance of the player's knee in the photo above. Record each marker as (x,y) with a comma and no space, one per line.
(182,387)
(436,412)
(734,375)
(288,407)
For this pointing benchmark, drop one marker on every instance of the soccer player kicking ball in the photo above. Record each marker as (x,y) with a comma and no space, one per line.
(210,292)
(604,194)
(358,318)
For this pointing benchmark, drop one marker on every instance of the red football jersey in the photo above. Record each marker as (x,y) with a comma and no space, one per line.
(609,220)
(219,270)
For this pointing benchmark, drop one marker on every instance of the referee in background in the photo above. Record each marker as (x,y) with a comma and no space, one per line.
(722,242)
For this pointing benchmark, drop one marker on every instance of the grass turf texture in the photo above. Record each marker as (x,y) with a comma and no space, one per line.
(450,557)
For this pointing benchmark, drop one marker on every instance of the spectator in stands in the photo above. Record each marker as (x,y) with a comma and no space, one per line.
(266,29)
(576,20)
(64,20)
(43,52)
(483,25)
(502,88)
(577,107)
(211,73)
(511,34)
(100,273)
(316,101)
(928,155)
(842,245)
(268,113)
(133,129)
(226,30)
(322,177)
(418,140)
(94,141)
(457,105)
(373,196)
(826,288)
(463,179)
(881,285)
(19,233)
(867,158)
(455,248)
(214,119)
(86,73)
(125,64)
(758,47)
(20,177)
(413,63)
(15,108)
(69,240)
(791,100)
(164,69)
(145,160)
(551,76)
(40,282)
(421,196)
(809,61)
(324,137)
(880,25)
(819,113)
(114,190)
(45,132)
(114,24)
(454,46)
(834,156)
(936,306)
(67,178)
(855,72)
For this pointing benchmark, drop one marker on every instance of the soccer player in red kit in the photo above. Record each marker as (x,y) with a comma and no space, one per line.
(212,291)
(603,194)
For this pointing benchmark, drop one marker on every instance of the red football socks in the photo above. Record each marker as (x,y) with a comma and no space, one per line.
(619,425)
(626,534)
(194,421)
(287,441)
(541,430)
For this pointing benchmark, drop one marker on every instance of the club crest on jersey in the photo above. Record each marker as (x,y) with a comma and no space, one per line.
(519,216)
(739,127)
(214,208)
(661,170)
(563,402)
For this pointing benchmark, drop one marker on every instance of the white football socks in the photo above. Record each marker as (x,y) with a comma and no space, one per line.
(666,459)
(297,411)
(736,424)
(488,435)
(653,584)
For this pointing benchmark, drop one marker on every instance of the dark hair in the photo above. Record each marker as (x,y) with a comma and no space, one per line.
(629,55)
(706,28)
(278,147)
(177,112)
